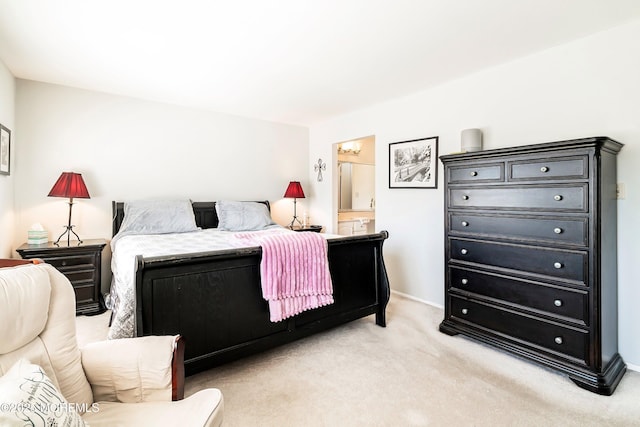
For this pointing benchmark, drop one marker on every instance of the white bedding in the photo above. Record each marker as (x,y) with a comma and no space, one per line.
(126,248)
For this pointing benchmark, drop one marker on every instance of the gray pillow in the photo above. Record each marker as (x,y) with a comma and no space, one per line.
(242,216)
(158,217)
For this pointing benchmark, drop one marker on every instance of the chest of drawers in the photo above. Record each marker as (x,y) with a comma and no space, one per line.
(530,255)
(80,263)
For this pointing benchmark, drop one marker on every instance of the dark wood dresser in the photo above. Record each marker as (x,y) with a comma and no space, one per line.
(80,263)
(530,255)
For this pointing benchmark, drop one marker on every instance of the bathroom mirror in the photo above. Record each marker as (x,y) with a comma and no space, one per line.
(356,187)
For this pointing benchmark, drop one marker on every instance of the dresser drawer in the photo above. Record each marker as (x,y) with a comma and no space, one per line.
(569,265)
(565,168)
(485,173)
(551,198)
(573,304)
(525,329)
(552,230)
(67,262)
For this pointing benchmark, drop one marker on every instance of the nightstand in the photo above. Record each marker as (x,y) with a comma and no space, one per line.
(314,228)
(80,263)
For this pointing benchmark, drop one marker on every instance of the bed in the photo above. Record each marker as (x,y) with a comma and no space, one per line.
(213,297)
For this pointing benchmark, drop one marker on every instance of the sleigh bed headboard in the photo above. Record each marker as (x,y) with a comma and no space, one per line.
(204,212)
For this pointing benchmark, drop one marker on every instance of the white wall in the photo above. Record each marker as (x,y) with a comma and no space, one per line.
(128,149)
(7,102)
(585,88)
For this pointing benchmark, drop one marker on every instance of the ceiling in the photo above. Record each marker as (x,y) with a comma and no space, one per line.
(289,61)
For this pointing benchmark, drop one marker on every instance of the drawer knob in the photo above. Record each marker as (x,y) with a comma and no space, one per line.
(557,264)
(544,169)
(64,263)
(465,224)
(558,340)
(557,303)
(557,197)
(557,230)
(465,197)
(474,173)
(465,311)
(463,251)
(464,281)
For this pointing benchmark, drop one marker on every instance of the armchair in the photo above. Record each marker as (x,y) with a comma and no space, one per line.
(135,381)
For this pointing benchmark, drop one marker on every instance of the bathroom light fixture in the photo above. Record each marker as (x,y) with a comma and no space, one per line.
(294,191)
(349,147)
(69,185)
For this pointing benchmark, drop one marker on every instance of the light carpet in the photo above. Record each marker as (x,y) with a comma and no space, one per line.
(407,374)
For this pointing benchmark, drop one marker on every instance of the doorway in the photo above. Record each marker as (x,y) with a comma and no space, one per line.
(356,186)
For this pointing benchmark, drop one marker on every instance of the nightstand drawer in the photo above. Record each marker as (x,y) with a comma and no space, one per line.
(76,276)
(569,303)
(67,262)
(552,198)
(524,329)
(552,230)
(85,292)
(568,168)
(569,265)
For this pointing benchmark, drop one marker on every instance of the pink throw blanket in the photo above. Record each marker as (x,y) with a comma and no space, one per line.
(294,271)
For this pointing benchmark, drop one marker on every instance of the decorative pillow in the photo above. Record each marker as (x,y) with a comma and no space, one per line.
(28,397)
(242,216)
(157,217)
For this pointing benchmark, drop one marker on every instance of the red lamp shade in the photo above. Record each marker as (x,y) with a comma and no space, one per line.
(294,191)
(70,185)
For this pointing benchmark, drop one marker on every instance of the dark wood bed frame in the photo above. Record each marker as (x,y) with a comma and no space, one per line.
(214,299)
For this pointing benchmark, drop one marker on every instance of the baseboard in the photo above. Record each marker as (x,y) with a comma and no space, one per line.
(411,297)
(633,367)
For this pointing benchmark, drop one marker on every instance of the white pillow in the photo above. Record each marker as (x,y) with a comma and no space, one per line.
(28,397)
(157,217)
(242,216)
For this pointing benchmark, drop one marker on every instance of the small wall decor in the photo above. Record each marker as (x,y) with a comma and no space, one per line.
(5,151)
(414,163)
(319,167)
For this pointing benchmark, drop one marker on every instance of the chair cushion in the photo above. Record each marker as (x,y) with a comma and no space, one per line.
(28,397)
(24,297)
(204,408)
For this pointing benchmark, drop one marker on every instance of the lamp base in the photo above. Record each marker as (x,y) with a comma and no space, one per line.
(293,221)
(68,231)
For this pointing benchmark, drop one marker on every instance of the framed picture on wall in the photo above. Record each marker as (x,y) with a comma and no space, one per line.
(414,163)
(5,151)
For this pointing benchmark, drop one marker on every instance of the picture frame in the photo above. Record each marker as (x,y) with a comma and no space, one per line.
(5,150)
(414,163)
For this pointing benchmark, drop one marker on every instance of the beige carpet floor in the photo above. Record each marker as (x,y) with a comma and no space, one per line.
(407,374)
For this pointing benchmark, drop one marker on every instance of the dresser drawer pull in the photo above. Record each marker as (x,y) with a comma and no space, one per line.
(557,265)
(63,263)
(474,173)
(465,197)
(557,303)
(558,340)
(464,251)
(557,197)
(464,281)
(557,230)
(544,169)
(465,311)
(465,224)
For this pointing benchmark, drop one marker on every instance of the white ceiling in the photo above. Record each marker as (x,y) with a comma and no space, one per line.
(290,61)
